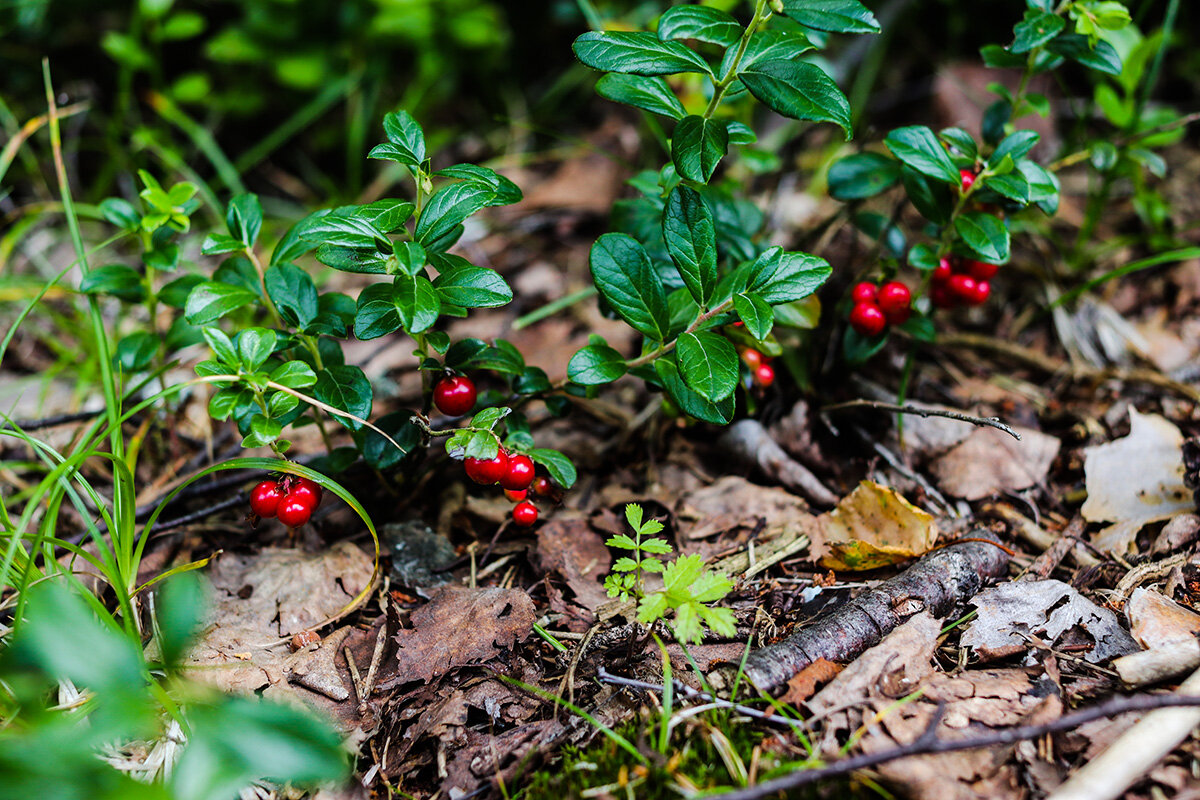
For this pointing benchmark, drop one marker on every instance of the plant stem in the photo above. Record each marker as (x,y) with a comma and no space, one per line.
(761,15)
(669,346)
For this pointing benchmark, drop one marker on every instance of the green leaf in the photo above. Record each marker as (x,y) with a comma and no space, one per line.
(136,351)
(488,417)
(217,243)
(381,454)
(120,212)
(755,313)
(862,175)
(118,280)
(1015,146)
(406,140)
(1035,30)
(335,230)
(212,300)
(709,363)
(659,546)
(622,272)
(690,236)
(636,53)
(835,16)
(385,215)
(960,140)
(621,541)
(482,445)
(1011,185)
(222,348)
(561,470)
(368,261)
(416,302)
(697,146)
(254,347)
(448,207)
(506,191)
(769,45)
(624,564)
(473,287)
(681,573)
(1043,185)
(648,93)
(932,199)
(798,90)
(294,375)
(689,401)
(1102,58)
(376,313)
(347,389)
(244,219)
(985,235)
(633,515)
(699,22)
(794,277)
(917,147)
(293,293)
(175,293)
(595,364)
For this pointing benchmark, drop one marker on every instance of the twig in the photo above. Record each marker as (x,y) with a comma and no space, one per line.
(929,742)
(921,411)
(28,425)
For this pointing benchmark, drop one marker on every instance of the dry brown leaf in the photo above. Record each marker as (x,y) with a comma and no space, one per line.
(1012,612)
(570,547)
(460,626)
(871,527)
(734,502)
(1156,620)
(804,683)
(1135,480)
(990,461)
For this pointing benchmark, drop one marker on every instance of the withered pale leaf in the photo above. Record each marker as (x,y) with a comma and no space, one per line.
(990,461)
(874,526)
(1156,620)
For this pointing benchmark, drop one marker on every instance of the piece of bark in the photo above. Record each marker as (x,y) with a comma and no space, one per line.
(750,442)
(938,582)
(1160,664)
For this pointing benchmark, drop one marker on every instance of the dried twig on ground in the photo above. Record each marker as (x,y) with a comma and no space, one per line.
(924,411)
(938,582)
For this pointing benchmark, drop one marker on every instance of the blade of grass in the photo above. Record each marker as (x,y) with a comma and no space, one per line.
(298,121)
(201,138)
(1133,266)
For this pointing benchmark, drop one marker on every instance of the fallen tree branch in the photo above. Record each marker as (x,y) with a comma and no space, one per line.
(938,582)
(929,743)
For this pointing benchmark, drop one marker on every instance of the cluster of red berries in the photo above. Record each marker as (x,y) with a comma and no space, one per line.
(455,395)
(961,283)
(289,498)
(515,474)
(876,307)
(760,367)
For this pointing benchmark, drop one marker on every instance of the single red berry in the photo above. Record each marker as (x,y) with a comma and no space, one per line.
(294,510)
(867,319)
(525,513)
(303,487)
(962,286)
(894,296)
(982,290)
(542,486)
(264,499)
(942,271)
(752,357)
(864,292)
(764,376)
(940,296)
(516,496)
(968,178)
(455,395)
(487,471)
(981,270)
(519,474)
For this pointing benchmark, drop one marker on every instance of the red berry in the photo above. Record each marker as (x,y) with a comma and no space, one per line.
(764,376)
(519,474)
(968,178)
(981,270)
(264,499)
(525,513)
(867,319)
(982,290)
(943,271)
(940,296)
(894,296)
(294,510)
(487,471)
(303,487)
(962,287)
(863,292)
(543,486)
(516,497)
(752,357)
(454,396)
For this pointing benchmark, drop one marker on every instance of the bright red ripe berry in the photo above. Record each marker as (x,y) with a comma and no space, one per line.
(543,486)
(982,290)
(764,376)
(867,319)
(487,471)
(294,511)
(519,475)
(943,271)
(516,497)
(264,499)
(940,296)
(303,487)
(752,357)
(968,178)
(864,292)
(455,395)
(894,296)
(962,287)
(981,270)
(525,513)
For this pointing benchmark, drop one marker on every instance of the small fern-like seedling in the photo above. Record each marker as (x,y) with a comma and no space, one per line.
(688,586)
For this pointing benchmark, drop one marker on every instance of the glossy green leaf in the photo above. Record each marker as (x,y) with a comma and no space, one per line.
(1011,185)
(406,140)
(118,280)
(626,280)
(697,146)
(1014,146)
(212,300)
(793,277)
(862,175)
(648,93)
(835,16)
(699,22)
(561,470)
(473,287)
(243,219)
(708,363)
(985,234)
(636,53)
(689,233)
(254,347)
(933,199)
(755,314)
(447,208)
(687,400)
(347,259)
(1035,30)
(386,215)
(769,45)
(293,293)
(334,230)
(135,351)
(960,140)
(506,191)
(294,375)
(798,90)
(917,147)
(376,313)
(595,364)
(377,451)
(416,302)
(345,388)
(1102,58)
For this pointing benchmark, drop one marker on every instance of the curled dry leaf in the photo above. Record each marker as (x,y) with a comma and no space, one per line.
(1135,480)
(461,626)
(734,502)
(569,546)
(872,527)
(989,462)
(1156,620)
(1011,613)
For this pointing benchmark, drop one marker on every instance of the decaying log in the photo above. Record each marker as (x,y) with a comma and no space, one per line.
(938,582)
